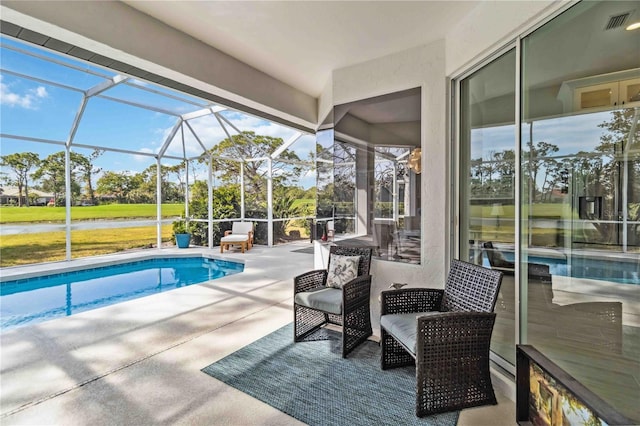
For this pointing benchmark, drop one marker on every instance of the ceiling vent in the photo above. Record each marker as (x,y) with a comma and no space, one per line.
(617,21)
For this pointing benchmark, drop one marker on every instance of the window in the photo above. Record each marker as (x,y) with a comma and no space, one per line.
(366,185)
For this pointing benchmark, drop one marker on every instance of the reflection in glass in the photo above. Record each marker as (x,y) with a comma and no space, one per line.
(366,190)
(580,197)
(487,184)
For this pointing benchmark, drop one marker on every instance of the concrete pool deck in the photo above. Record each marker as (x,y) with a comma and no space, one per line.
(139,362)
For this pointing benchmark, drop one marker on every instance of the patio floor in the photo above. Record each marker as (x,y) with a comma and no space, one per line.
(138,362)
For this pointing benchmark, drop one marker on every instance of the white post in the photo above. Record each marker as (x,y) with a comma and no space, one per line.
(270,203)
(158,204)
(210,202)
(242,209)
(186,178)
(67,189)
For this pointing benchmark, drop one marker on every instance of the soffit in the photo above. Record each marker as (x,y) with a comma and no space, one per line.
(301,43)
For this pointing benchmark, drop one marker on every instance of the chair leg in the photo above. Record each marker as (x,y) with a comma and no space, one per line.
(438,393)
(356,328)
(452,368)
(393,354)
(306,321)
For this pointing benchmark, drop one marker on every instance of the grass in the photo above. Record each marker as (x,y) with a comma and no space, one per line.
(106,211)
(25,249)
(542,210)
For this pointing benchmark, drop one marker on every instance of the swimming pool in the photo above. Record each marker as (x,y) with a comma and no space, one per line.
(617,271)
(33,300)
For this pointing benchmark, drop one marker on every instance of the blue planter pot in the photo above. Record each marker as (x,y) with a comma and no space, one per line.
(182,240)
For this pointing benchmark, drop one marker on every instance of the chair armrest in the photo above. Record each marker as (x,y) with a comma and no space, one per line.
(310,280)
(356,289)
(540,271)
(506,271)
(464,332)
(408,300)
(227,232)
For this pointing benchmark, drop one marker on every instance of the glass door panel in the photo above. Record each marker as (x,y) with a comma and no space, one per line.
(580,204)
(487,178)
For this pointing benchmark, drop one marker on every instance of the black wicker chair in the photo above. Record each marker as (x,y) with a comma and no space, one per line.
(539,271)
(315,304)
(446,334)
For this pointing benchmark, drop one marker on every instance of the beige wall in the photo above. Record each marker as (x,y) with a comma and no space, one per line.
(489,27)
(418,67)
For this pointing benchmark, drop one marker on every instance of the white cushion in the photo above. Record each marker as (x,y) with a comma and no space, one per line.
(325,300)
(342,269)
(239,232)
(241,227)
(233,238)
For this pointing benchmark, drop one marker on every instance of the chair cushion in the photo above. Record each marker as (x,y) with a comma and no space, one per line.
(403,327)
(326,300)
(233,238)
(241,227)
(342,269)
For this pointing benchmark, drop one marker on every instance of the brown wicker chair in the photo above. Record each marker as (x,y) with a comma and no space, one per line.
(446,334)
(316,304)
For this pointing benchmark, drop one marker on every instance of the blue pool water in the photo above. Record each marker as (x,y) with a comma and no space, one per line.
(623,272)
(33,300)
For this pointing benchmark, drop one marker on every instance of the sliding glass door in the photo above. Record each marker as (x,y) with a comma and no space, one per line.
(487,181)
(549,139)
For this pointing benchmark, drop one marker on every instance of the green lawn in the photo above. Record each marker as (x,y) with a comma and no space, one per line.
(542,210)
(26,249)
(42,247)
(106,211)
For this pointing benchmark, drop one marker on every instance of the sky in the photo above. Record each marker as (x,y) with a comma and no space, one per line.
(570,134)
(36,109)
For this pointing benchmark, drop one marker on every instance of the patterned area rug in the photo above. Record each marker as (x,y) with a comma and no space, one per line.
(313,383)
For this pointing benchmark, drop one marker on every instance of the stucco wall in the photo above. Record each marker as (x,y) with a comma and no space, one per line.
(490,26)
(418,67)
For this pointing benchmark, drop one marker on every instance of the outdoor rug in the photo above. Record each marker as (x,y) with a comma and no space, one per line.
(313,383)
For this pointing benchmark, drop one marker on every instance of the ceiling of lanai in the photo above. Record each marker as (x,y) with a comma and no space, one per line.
(302,42)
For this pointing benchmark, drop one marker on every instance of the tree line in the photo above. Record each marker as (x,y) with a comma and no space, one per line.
(28,171)
(547,175)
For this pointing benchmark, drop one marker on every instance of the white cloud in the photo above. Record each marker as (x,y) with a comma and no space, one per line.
(41,92)
(28,100)
(144,158)
(210,133)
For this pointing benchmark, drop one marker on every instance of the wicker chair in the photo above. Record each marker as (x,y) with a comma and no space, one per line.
(316,304)
(539,271)
(446,334)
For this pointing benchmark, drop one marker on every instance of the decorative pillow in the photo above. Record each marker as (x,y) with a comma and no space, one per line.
(342,269)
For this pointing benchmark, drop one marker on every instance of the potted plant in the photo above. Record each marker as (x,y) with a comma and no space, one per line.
(181,232)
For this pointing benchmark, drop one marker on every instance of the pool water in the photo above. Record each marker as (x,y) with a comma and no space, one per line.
(33,300)
(622,272)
